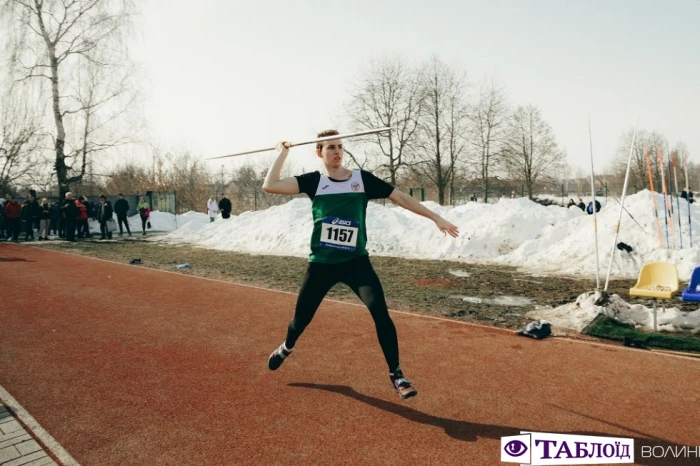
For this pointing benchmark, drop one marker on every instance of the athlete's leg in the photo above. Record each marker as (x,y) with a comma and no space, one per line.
(365,283)
(362,279)
(319,279)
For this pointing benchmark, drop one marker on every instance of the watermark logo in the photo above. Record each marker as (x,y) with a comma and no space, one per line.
(675,451)
(539,448)
(515,449)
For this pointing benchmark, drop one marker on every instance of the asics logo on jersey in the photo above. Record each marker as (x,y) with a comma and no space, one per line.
(337,221)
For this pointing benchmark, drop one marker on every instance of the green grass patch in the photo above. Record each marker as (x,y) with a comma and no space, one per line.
(611,329)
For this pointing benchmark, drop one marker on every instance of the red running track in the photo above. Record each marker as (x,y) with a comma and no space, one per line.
(124,365)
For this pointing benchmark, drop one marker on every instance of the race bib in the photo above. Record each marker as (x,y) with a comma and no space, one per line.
(339,233)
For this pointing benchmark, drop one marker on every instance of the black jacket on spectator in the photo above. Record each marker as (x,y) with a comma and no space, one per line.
(589,209)
(121,207)
(35,209)
(26,214)
(56,212)
(45,212)
(104,211)
(225,207)
(70,211)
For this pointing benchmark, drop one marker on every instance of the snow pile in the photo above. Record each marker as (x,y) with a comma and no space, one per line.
(164,221)
(579,314)
(518,232)
(569,247)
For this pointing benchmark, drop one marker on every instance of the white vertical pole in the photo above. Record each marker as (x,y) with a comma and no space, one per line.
(622,204)
(595,213)
(687,200)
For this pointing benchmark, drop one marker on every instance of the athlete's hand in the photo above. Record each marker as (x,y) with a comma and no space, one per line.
(282,146)
(446,227)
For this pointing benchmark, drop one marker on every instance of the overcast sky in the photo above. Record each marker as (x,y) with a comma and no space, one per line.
(226,77)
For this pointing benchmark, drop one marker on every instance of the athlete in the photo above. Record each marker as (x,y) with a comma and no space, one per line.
(338,245)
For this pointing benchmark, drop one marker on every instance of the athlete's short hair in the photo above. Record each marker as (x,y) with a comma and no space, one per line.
(323,134)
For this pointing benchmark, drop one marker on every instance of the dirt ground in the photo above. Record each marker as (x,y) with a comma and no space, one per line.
(488,294)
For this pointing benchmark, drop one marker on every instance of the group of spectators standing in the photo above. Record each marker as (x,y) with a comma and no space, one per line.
(687,193)
(67,218)
(581,205)
(213,208)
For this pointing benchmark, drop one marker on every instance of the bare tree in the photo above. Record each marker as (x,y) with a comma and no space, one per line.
(389,94)
(21,134)
(129,178)
(488,120)
(639,176)
(101,100)
(682,155)
(441,130)
(457,145)
(530,150)
(249,180)
(55,41)
(185,173)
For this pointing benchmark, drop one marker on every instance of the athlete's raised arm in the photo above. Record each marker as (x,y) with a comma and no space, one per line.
(272,183)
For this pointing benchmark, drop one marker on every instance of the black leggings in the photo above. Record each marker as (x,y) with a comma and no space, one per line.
(359,275)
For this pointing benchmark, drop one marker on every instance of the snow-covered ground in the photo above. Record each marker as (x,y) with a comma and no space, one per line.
(518,232)
(538,239)
(577,315)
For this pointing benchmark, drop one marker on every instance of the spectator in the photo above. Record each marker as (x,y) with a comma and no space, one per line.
(3,201)
(687,194)
(212,209)
(513,195)
(121,208)
(55,219)
(571,203)
(44,219)
(144,213)
(589,209)
(12,221)
(104,216)
(70,214)
(225,206)
(35,212)
(473,198)
(27,218)
(82,218)
(89,207)
(581,205)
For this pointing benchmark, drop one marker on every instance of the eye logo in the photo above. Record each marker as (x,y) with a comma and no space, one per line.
(515,448)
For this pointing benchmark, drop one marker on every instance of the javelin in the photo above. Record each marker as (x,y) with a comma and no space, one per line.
(327,138)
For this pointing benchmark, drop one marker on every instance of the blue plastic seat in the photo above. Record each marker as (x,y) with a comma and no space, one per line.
(691,293)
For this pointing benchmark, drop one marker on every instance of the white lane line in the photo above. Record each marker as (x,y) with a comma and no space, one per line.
(50,443)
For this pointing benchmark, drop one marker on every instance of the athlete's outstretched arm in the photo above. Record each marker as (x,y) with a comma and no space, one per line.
(272,183)
(407,202)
